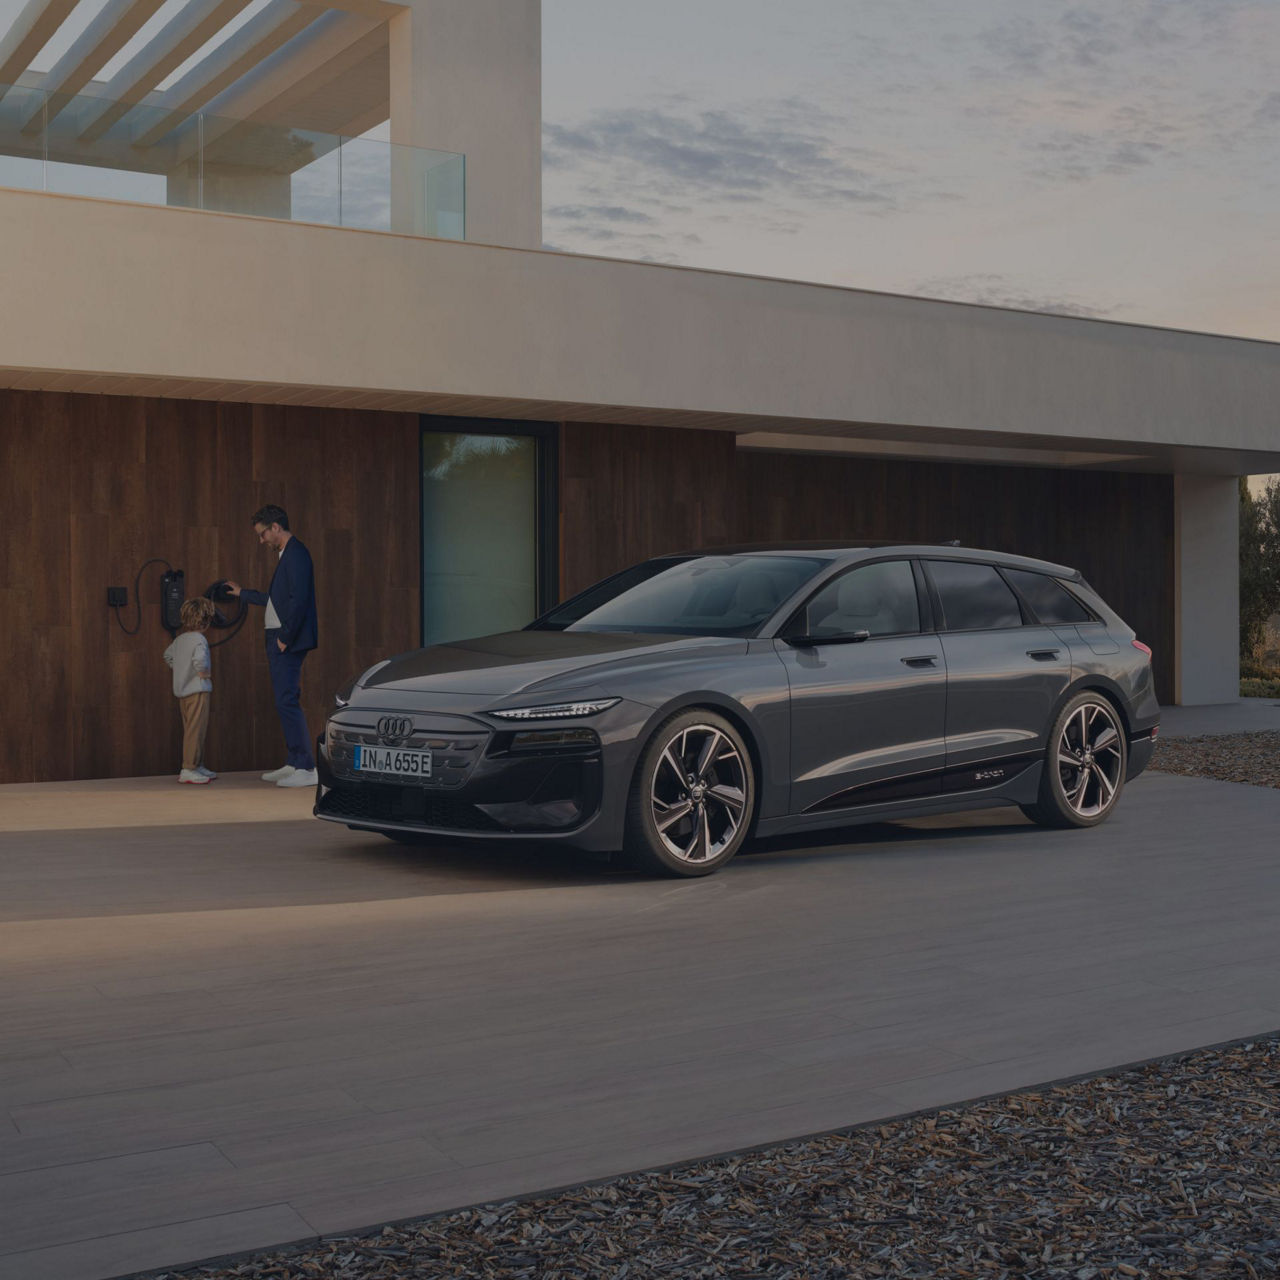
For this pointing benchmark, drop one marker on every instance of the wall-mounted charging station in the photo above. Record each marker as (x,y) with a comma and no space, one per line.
(173,591)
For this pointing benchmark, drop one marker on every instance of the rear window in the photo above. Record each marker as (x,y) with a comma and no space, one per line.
(1052,602)
(974,596)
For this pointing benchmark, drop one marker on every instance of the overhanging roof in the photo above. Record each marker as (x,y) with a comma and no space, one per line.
(289,313)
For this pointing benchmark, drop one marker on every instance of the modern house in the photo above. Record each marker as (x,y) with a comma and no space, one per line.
(220,292)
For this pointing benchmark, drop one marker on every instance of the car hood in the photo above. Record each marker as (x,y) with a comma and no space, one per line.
(524,661)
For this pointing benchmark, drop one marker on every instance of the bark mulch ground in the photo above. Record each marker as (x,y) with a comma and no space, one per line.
(1229,757)
(1166,1170)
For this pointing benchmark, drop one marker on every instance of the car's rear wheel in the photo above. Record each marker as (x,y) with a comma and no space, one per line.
(691,798)
(1085,764)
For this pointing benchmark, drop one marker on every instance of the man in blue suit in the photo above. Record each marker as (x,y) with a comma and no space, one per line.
(290,603)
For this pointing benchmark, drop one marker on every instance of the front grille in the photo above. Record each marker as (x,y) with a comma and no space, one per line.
(453,755)
(418,741)
(407,806)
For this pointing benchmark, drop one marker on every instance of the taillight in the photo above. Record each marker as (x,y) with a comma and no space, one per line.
(1146,648)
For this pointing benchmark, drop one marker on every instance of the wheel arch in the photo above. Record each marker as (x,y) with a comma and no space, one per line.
(731,710)
(1095,683)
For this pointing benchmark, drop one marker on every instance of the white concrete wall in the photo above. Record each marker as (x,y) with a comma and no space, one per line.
(1206,589)
(466,76)
(120,289)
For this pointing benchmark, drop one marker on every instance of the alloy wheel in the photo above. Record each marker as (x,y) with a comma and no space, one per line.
(698,796)
(1090,759)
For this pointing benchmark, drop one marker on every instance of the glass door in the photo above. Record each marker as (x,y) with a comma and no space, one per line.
(488,516)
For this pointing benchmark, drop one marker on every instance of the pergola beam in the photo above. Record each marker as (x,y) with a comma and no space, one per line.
(28,35)
(116,24)
(196,23)
(270,30)
(378,10)
(328,51)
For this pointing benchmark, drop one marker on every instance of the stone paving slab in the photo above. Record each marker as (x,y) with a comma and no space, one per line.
(218,1037)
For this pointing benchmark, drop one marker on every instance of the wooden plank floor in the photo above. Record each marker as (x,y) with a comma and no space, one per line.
(216,1036)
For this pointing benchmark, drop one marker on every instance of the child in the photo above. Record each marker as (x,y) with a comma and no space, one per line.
(188,655)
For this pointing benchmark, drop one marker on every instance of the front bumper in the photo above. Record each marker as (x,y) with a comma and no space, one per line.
(488,783)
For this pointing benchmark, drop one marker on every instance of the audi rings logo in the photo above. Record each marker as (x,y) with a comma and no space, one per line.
(393,729)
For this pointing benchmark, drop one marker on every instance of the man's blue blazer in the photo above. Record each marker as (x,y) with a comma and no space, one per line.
(293,592)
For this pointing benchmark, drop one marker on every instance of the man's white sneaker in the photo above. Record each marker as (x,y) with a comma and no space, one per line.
(277,774)
(299,778)
(208,773)
(191,776)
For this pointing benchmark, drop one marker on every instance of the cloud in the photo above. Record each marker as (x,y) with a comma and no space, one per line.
(994,290)
(597,212)
(1077,156)
(667,165)
(747,156)
(1268,110)
(1080,91)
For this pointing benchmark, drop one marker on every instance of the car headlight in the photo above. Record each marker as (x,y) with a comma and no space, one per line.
(557,710)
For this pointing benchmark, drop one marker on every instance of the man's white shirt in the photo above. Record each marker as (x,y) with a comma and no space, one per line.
(271,617)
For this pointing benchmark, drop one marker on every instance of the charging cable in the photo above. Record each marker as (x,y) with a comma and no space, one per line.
(137,599)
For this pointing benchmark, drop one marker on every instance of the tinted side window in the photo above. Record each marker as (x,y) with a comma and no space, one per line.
(974,596)
(1053,603)
(879,598)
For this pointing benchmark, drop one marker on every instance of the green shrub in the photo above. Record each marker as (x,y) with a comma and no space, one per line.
(1253,670)
(1260,688)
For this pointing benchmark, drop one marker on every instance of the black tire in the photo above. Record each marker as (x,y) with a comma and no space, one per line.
(1086,758)
(692,797)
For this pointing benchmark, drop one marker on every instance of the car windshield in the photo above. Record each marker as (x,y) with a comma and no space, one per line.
(730,595)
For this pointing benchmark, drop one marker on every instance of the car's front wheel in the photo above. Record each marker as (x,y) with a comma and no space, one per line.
(1085,765)
(692,796)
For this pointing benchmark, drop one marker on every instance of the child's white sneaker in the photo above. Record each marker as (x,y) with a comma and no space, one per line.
(275,775)
(208,773)
(192,776)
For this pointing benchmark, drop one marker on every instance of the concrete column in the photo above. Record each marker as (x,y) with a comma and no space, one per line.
(1206,589)
(466,76)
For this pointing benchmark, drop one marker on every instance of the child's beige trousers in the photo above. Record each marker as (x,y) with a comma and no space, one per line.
(195,723)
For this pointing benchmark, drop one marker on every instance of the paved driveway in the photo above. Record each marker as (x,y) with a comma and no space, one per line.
(222,1036)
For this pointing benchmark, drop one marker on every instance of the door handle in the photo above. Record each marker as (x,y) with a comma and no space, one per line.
(1043,655)
(923,660)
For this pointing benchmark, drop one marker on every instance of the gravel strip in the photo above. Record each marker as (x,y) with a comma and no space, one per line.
(1229,757)
(1169,1169)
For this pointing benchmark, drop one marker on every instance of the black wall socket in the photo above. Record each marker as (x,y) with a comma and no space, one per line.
(117,597)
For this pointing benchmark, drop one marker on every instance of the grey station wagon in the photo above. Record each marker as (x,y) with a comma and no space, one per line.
(692,701)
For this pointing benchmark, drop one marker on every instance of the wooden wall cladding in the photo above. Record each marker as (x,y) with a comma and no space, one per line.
(92,486)
(627,493)
(1115,527)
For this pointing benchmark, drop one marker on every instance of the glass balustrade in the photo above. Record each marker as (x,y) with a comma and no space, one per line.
(89,146)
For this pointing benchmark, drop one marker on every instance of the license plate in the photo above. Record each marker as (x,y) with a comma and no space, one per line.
(397,763)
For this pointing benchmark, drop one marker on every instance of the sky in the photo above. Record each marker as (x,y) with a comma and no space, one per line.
(1118,159)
